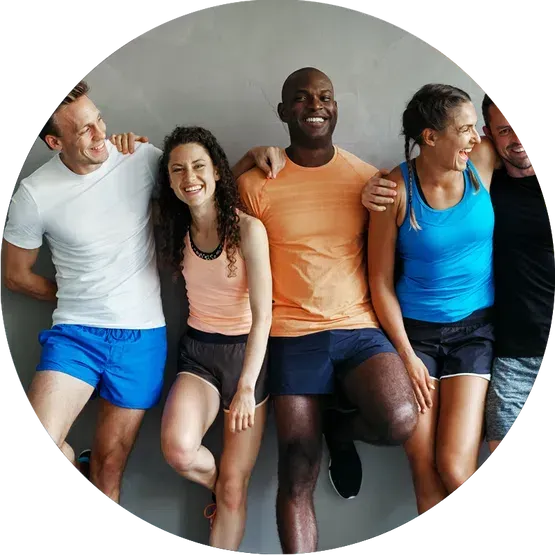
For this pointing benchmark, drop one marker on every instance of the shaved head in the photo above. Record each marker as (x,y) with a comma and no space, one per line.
(291,84)
(309,109)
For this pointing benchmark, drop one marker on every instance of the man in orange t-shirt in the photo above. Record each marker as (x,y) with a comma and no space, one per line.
(324,331)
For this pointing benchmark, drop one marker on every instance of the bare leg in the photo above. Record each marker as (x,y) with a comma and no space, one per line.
(239,454)
(460,428)
(190,410)
(57,399)
(421,452)
(381,390)
(115,435)
(299,431)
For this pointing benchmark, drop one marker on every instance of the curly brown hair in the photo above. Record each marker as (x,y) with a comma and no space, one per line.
(175,216)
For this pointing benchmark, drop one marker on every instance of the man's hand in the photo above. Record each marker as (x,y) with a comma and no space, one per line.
(379,192)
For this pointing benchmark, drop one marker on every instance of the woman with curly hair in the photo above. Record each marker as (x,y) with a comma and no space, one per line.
(224,257)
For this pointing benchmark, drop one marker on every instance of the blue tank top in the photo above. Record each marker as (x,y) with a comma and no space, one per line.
(447,266)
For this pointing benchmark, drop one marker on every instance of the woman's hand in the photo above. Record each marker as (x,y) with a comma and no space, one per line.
(241,410)
(125,142)
(270,159)
(422,383)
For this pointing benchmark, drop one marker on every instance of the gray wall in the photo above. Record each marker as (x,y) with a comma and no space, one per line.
(223,68)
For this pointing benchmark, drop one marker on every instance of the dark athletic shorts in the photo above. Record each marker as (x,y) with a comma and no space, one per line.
(218,360)
(311,364)
(463,348)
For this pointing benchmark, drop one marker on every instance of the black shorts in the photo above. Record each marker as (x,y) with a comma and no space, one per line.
(311,364)
(217,359)
(463,348)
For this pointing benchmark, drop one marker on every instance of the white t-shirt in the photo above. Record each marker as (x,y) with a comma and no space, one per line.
(99,230)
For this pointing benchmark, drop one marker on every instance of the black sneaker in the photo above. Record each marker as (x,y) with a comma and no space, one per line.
(345,468)
(84,463)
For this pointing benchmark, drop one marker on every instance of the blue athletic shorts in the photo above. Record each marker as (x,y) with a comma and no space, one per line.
(311,364)
(125,366)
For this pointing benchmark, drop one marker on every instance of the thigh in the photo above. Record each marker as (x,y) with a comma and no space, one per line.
(191,408)
(301,366)
(461,416)
(421,446)
(116,430)
(240,449)
(134,375)
(379,386)
(57,398)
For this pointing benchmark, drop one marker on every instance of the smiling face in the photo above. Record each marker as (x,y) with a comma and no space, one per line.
(81,136)
(507,144)
(308,107)
(192,174)
(453,144)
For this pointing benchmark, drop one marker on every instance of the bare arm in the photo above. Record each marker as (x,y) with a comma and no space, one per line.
(485,158)
(270,159)
(254,246)
(17,269)
(382,239)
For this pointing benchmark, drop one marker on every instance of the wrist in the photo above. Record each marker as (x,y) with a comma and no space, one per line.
(245,387)
(407,354)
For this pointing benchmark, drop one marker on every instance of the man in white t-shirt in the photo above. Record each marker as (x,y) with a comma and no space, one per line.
(92,204)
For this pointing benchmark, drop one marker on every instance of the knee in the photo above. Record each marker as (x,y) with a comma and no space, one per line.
(299,463)
(180,453)
(107,465)
(399,425)
(231,491)
(454,470)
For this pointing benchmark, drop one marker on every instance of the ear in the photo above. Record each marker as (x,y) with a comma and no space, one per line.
(282,112)
(487,131)
(53,142)
(216,174)
(429,137)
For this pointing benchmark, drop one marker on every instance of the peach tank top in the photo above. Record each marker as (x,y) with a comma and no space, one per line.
(217,303)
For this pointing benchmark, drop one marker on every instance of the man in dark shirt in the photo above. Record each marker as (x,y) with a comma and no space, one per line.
(524,276)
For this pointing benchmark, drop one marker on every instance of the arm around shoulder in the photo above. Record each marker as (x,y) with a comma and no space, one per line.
(485,158)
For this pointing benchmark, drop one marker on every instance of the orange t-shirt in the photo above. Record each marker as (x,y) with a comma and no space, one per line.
(317,229)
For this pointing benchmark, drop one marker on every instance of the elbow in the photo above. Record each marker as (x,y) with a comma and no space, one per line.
(11,281)
(262,320)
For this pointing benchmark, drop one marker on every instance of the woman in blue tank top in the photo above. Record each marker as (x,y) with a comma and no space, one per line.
(431,279)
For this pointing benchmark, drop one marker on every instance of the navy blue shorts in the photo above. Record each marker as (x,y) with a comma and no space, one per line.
(311,364)
(463,348)
(125,366)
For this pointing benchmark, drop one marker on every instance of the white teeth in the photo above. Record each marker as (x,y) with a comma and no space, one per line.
(315,120)
(518,150)
(193,188)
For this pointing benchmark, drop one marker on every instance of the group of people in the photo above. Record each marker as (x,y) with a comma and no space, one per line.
(394,308)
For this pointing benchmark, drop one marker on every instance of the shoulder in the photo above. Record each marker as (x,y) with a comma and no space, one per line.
(252,180)
(51,173)
(362,168)
(251,228)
